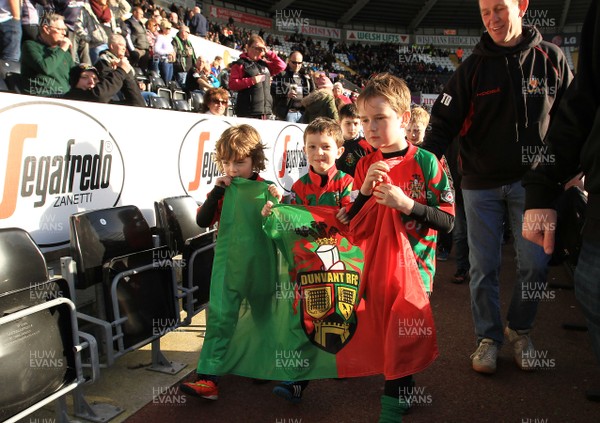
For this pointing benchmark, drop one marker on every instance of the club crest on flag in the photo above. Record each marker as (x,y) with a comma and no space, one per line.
(329,291)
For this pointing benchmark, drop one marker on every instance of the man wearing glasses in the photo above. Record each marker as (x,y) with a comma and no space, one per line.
(46,63)
(289,88)
(251,78)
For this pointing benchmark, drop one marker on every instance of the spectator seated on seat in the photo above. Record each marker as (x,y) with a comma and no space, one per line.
(46,62)
(113,60)
(87,85)
(199,77)
(216,101)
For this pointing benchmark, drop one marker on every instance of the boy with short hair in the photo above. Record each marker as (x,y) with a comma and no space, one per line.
(404,195)
(355,145)
(323,185)
(415,131)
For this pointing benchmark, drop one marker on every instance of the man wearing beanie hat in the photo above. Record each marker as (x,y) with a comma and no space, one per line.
(321,102)
(87,86)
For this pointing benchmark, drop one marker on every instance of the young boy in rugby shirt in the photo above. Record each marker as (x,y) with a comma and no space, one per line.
(355,144)
(323,185)
(403,194)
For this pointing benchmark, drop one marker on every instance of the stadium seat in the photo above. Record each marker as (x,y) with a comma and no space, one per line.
(182,105)
(176,224)
(40,357)
(165,93)
(155,83)
(160,102)
(7,66)
(178,95)
(114,248)
(197,100)
(14,82)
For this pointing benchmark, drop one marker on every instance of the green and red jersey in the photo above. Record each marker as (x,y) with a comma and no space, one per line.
(422,178)
(310,191)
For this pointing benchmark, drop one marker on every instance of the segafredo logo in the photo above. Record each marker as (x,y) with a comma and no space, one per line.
(55,160)
(289,161)
(197,170)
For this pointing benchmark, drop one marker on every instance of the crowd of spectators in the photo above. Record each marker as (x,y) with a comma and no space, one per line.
(152,47)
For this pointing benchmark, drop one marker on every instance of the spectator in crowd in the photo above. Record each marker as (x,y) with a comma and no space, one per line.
(226,37)
(114,60)
(574,141)
(289,88)
(186,57)
(104,14)
(174,19)
(121,11)
(86,84)
(164,51)
(198,24)
(216,66)
(30,19)
(459,54)
(341,98)
(480,106)
(199,77)
(321,102)
(10,30)
(46,63)
(215,102)
(152,27)
(224,76)
(72,11)
(139,46)
(251,78)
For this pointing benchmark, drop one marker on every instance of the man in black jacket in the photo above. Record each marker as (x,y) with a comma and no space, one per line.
(499,103)
(113,60)
(289,88)
(574,143)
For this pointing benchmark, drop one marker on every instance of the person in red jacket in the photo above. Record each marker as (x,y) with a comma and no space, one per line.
(251,78)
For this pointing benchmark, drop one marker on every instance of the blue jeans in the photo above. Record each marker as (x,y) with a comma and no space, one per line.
(10,40)
(147,95)
(485,213)
(587,289)
(181,77)
(166,70)
(293,117)
(459,235)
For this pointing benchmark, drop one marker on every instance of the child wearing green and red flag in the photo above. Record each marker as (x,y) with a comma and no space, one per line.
(323,185)
(404,199)
(239,153)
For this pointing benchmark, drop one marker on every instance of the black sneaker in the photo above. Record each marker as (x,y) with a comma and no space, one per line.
(460,276)
(291,391)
